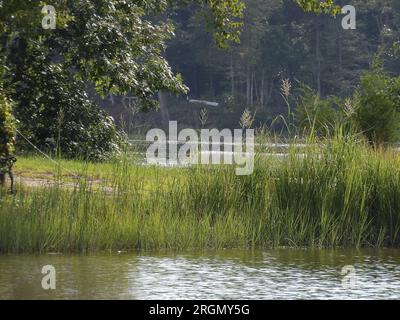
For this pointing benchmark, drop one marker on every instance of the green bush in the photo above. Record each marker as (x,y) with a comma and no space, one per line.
(377,106)
(314,114)
(56,114)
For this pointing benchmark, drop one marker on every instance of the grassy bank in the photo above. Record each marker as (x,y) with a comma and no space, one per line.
(339,192)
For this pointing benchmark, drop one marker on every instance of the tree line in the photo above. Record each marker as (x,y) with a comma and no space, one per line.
(235,52)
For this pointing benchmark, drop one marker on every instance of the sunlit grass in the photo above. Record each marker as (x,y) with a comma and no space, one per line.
(336,192)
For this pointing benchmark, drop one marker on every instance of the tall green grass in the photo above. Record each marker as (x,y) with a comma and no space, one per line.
(335,192)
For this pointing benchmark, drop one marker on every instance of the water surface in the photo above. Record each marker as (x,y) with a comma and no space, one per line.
(277,274)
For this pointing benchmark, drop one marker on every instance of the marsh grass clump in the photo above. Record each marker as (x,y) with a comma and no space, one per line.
(336,191)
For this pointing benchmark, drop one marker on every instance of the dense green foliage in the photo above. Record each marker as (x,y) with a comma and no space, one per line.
(315,114)
(280,41)
(62,119)
(333,191)
(377,107)
(116,47)
(374,110)
(326,6)
(7,126)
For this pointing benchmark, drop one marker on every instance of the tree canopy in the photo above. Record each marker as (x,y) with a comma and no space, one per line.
(119,47)
(114,46)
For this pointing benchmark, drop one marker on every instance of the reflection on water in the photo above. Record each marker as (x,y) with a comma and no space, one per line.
(278,274)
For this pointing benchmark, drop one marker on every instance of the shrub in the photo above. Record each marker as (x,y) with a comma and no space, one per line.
(377,107)
(56,114)
(7,126)
(314,114)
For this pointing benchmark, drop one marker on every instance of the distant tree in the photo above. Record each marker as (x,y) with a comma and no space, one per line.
(117,46)
(318,6)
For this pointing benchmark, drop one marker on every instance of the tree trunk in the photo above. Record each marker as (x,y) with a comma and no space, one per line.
(256,90)
(163,99)
(211,84)
(248,86)
(252,89)
(196,82)
(111,97)
(262,89)
(340,51)
(232,77)
(269,93)
(318,54)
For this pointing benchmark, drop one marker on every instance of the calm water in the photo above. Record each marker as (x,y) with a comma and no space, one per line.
(279,274)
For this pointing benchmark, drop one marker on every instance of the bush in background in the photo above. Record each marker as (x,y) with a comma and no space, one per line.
(314,114)
(376,107)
